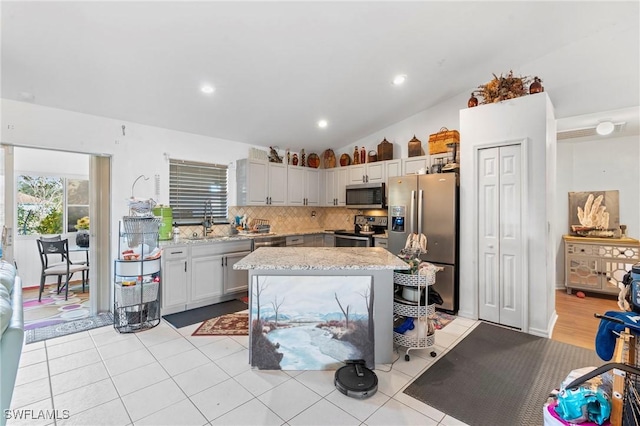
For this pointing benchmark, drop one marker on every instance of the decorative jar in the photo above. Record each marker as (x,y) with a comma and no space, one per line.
(82,238)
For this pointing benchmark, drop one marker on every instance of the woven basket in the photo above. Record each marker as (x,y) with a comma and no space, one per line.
(438,141)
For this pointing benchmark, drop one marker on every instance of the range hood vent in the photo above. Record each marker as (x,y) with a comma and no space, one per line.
(587,132)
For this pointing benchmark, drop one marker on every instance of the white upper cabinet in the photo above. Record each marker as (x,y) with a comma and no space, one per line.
(335,184)
(261,183)
(411,165)
(367,173)
(304,186)
(394,168)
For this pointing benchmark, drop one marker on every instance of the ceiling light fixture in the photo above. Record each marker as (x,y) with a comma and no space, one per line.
(399,79)
(322,124)
(207,89)
(605,128)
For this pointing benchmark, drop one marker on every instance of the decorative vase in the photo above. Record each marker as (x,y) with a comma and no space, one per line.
(473,101)
(82,238)
(536,86)
(294,159)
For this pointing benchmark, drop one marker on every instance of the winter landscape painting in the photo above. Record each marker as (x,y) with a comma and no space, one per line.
(310,322)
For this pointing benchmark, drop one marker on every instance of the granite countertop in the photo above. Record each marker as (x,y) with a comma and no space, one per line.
(321,258)
(238,237)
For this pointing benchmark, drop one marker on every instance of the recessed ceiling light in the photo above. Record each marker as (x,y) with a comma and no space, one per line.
(399,79)
(322,124)
(605,128)
(207,89)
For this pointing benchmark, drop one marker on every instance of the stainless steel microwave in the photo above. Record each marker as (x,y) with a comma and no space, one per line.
(366,196)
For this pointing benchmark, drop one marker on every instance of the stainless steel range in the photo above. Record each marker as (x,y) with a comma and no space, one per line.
(365,227)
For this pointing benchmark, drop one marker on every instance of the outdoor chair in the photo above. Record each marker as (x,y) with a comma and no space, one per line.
(65,268)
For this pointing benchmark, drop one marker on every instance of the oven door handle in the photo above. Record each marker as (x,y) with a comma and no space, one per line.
(353,238)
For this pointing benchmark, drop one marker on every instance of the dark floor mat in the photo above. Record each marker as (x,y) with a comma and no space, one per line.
(193,316)
(497,376)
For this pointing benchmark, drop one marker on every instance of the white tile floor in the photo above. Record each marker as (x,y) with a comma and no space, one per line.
(165,376)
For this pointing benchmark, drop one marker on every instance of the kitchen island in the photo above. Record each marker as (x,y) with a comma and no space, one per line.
(332,283)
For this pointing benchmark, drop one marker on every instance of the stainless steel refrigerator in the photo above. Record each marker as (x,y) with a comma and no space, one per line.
(428,204)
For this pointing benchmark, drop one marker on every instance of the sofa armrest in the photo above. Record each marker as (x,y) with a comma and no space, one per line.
(11,343)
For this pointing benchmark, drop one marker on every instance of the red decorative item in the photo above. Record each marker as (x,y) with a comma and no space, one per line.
(363,155)
(473,101)
(536,86)
(294,160)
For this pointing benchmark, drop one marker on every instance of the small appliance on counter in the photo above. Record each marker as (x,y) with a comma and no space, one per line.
(365,227)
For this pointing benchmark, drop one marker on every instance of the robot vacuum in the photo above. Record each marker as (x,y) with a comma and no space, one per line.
(356,380)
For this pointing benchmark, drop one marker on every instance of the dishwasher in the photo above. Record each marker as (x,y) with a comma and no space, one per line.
(269,241)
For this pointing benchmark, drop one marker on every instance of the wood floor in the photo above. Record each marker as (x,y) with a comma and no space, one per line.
(576,324)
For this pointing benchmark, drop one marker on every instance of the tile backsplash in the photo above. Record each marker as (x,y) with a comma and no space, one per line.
(285,219)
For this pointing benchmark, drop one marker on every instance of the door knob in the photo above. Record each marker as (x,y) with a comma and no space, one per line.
(490,246)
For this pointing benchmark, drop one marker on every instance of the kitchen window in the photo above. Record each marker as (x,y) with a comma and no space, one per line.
(196,189)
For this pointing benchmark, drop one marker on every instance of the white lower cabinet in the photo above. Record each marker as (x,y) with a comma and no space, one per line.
(174,274)
(235,280)
(202,274)
(207,275)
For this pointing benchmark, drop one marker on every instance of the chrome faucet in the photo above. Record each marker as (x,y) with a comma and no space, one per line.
(207,221)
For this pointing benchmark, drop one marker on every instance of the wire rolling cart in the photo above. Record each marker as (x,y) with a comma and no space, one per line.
(137,275)
(424,337)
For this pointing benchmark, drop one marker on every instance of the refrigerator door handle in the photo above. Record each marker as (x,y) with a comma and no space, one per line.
(420,212)
(412,211)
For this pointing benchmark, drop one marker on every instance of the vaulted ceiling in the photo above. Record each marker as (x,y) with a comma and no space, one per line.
(279,67)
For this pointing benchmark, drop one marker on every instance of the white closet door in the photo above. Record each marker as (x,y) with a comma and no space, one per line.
(500,232)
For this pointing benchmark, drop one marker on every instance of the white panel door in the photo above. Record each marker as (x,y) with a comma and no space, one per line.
(500,232)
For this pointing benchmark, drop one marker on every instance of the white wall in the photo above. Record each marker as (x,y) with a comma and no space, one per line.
(531,118)
(598,165)
(445,114)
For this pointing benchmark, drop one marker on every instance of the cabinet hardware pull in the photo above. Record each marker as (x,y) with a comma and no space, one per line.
(185,266)
(176,252)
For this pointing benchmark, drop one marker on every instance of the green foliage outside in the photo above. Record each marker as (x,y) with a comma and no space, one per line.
(51,223)
(40,205)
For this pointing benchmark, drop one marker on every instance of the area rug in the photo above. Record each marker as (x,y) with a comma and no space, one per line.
(68,327)
(225,325)
(194,316)
(53,309)
(498,376)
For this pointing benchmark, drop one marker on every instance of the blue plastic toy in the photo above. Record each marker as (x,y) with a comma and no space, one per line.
(405,326)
